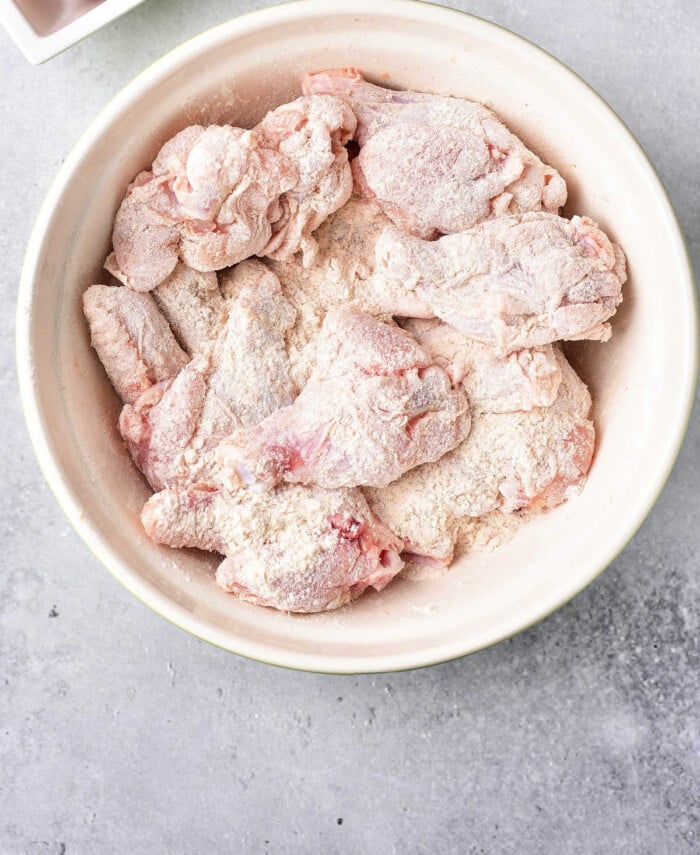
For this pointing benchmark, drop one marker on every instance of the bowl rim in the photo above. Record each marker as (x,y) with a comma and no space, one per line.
(39,430)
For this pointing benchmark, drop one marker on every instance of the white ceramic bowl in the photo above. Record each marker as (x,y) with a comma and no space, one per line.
(642,381)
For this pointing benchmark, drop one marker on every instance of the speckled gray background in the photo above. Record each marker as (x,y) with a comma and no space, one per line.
(121,734)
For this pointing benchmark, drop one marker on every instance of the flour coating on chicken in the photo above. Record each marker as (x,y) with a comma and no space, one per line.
(219,194)
(326,387)
(341,273)
(132,338)
(514,461)
(437,164)
(193,306)
(514,282)
(298,549)
(240,379)
(375,406)
(493,383)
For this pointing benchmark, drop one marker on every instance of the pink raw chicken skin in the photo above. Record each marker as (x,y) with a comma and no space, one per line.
(342,273)
(375,406)
(438,164)
(193,306)
(298,549)
(237,381)
(219,194)
(493,383)
(416,363)
(514,282)
(511,461)
(133,340)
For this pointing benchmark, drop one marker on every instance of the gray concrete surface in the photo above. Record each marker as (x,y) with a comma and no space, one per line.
(121,734)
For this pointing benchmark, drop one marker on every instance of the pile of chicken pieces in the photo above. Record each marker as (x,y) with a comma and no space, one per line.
(329,362)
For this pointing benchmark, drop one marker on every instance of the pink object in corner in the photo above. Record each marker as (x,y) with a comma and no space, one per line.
(43,28)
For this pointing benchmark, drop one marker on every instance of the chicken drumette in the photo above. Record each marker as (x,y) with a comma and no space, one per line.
(375,406)
(219,194)
(513,282)
(299,549)
(510,461)
(172,429)
(438,164)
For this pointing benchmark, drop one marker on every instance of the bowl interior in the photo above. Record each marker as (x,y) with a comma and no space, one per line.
(234,74)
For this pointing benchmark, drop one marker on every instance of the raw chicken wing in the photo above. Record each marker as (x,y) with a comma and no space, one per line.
(133,340)
(494,384)
(510,461)
(299,549)
(375,406)
(219,194)
(513,282)
(438,164)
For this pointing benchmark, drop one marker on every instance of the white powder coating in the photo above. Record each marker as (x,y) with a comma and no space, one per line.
(514,282)
(438,164)
(301,549)
(493,383)
(487,532)
(354,355)
(219,194)
(510,461)
(473,535)
(132,339)
(341,273)
(236,381)
(252,373)
(375,406)
(311,132)
(193,306)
